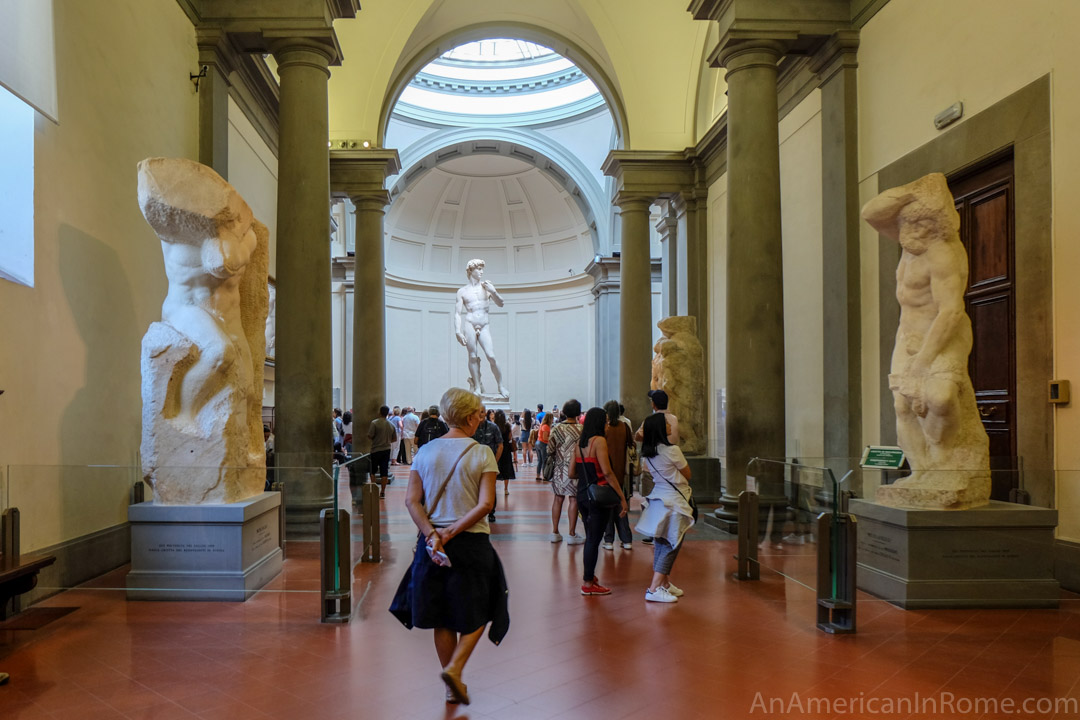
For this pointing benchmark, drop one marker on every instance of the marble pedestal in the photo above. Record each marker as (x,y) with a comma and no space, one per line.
(223,552)
(997,556)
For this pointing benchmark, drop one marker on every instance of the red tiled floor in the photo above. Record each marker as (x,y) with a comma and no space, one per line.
(727,650)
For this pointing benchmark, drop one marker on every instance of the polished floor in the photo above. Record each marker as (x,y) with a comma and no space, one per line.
(727,649)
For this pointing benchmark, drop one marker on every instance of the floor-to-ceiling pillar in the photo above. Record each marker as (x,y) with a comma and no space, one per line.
(836,65)
(361,175)
(635,306)
(605,274)
(755,283)
(369,312)
(303,359)
(668,230)
(213,91)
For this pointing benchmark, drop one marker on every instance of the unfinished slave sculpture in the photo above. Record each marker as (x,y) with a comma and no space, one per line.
(202,438)
(937,421)
(678,368)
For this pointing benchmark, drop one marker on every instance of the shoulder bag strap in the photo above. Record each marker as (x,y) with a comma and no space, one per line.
(653,467)
(442,488)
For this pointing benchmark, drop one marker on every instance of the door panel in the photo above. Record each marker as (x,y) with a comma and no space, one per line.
(984,200)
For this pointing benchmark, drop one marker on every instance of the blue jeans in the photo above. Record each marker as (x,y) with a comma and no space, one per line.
(541,458)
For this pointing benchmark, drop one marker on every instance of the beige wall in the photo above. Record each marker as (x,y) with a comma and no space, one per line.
(253,171)
(800,186)
(70,365)
(919,56)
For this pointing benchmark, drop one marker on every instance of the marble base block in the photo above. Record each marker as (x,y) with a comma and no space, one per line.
(221,552)
(999,555)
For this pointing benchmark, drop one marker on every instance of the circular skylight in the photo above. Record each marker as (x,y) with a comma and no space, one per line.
(510,81)
(499,50)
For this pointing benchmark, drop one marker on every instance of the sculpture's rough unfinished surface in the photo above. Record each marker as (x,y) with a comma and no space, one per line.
(202,364)
(937,421)
(678,368)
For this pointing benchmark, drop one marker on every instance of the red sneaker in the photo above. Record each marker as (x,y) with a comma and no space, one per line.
(594,588)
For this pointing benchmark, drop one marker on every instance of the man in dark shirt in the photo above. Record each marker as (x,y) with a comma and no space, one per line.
(488,433)
(430,427)
(381,433)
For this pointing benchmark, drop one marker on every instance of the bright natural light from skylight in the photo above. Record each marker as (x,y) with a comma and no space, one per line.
(499,77)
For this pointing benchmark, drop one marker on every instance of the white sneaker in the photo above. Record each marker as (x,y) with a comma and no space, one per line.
(670,587)
(609,546)
(660,595)
(575,540)
(555,537)
(627,546)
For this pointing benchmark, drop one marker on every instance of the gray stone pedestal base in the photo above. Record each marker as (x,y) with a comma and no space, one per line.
(997,556)
(204,552)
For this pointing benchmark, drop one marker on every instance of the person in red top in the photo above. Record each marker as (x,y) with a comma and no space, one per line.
(593,450)
(542,437)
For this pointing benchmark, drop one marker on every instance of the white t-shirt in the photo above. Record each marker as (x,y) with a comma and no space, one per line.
(665,466)
(515,431)
(408,424)
(434,460)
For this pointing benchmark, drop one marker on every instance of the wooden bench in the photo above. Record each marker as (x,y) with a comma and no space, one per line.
(18,574)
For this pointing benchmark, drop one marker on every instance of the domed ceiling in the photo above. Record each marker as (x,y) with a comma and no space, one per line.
(520,221)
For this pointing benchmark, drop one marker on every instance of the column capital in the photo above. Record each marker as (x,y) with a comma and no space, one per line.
(839,52)
(750,53)
(656,173)
(360,175)
(633,201)
(312,49)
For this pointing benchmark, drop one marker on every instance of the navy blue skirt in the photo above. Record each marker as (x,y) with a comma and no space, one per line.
(463,597)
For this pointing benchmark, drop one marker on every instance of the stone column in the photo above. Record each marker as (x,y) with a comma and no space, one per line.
(755,282)
(668,230)
(214,99)
(635,306)
(304,368)
(836,65)
(605,274)
(369,313)
(360,174)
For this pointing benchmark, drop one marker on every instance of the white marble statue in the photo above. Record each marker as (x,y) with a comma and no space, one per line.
(473,301)
(678,368)
(937,421)
(202,364)
(271,327)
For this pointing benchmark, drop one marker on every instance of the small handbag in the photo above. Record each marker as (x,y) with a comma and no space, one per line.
(603,495)
(549,467)
(633,465)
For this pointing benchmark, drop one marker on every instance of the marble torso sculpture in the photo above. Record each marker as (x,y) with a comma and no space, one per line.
(937,421)
(473,301)
(202,364)
(678,368)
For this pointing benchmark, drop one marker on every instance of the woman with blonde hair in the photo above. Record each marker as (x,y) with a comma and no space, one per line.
(455,584)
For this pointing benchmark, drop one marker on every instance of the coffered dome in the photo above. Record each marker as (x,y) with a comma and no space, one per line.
(519,219)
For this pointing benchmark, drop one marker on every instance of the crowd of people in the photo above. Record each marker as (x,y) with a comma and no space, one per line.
(458,450)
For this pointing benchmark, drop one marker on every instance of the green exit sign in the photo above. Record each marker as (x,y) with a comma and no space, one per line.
(885,457)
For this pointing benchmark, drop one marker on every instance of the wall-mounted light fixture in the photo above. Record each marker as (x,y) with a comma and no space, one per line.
(196,78)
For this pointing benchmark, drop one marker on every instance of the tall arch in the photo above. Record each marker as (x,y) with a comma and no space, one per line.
(527,145)
(542,36)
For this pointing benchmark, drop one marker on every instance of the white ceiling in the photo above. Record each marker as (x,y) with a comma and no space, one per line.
(525,226)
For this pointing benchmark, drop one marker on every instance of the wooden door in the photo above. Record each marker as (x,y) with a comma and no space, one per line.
(984,200)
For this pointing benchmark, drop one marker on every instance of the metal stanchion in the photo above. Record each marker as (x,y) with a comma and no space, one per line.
(836,573)
(749,567)
(335,565)
(372,551)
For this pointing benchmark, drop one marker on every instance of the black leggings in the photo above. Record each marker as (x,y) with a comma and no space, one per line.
(595,519)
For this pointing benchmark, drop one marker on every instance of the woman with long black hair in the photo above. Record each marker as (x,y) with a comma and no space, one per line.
(669,515)
(590,466)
